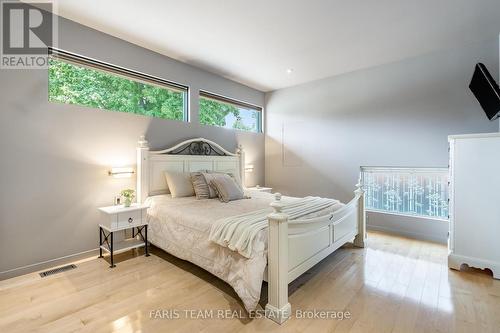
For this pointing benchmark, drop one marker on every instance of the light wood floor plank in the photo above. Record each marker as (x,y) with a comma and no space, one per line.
(394,285)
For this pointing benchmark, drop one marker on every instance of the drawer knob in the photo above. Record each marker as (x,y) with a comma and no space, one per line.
(130,220)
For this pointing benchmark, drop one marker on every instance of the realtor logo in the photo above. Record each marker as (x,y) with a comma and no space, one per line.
(28,29)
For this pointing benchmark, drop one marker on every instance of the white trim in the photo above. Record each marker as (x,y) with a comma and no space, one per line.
(48,264)
(474,136)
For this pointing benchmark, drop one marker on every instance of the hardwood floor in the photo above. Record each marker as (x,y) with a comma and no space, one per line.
(394,285)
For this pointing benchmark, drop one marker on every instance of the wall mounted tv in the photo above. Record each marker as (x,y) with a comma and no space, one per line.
(486,90)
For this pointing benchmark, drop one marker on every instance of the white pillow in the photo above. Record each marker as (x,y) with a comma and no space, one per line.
(179,184)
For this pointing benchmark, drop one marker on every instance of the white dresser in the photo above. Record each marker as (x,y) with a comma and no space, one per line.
(475,201)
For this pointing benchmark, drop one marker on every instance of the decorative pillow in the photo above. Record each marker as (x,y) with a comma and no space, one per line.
(209,176)
(226,187)
(200,185)
(234,175)
(179,184)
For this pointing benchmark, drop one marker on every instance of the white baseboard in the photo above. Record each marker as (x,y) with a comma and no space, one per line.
(409,234)
(39,266)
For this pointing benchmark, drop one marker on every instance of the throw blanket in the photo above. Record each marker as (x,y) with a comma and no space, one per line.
(238,232)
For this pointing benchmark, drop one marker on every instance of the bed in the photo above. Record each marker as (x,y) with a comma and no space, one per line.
(280,253)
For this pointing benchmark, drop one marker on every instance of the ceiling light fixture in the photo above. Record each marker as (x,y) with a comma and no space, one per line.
(289,71)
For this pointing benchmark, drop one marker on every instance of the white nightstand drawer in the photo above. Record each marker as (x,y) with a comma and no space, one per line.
(116,218)
(125,219)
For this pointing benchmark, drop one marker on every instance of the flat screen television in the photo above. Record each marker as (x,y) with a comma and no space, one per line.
(486,90)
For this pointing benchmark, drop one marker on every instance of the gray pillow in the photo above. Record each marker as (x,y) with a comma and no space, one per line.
(179,184)
(200,185)
(226,187)
(209,175)
(233,174)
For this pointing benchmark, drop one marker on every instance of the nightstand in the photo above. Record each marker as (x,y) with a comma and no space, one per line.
(118,218)
(261,189)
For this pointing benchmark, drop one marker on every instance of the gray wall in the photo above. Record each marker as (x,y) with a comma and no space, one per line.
(55,157)
(409,226)
(320,133)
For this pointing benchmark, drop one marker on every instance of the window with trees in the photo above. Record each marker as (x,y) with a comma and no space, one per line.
(77,80)
(228,113)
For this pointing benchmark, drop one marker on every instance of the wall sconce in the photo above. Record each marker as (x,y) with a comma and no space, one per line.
(121,172)
(249,168)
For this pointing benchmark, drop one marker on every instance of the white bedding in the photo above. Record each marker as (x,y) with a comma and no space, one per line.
(181,226)
(237,232)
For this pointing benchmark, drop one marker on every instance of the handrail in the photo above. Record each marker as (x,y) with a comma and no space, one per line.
(404,169)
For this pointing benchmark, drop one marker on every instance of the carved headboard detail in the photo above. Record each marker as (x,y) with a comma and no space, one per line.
(187,156)
(198,146)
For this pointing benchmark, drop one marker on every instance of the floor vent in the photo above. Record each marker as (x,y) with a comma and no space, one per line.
(57,270)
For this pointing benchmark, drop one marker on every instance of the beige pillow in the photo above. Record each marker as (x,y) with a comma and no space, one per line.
(200,185)
(179,184)
(226,187)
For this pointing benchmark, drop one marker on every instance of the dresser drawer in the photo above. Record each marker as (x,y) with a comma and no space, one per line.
(128,219)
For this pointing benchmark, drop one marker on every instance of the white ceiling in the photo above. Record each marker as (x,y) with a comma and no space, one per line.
(255,42)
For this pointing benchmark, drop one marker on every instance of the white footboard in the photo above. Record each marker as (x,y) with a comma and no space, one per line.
(296,246)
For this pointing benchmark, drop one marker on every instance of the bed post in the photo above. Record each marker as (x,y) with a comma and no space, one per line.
(277,309)
(359,240)
(241,154)
(142,167)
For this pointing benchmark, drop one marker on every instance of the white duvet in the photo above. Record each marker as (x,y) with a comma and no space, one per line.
(237,232)
(181,226)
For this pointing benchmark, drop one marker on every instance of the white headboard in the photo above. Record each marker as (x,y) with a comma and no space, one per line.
(187,156)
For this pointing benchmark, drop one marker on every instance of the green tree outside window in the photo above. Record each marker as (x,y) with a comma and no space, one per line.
(216,113)
(73,84)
